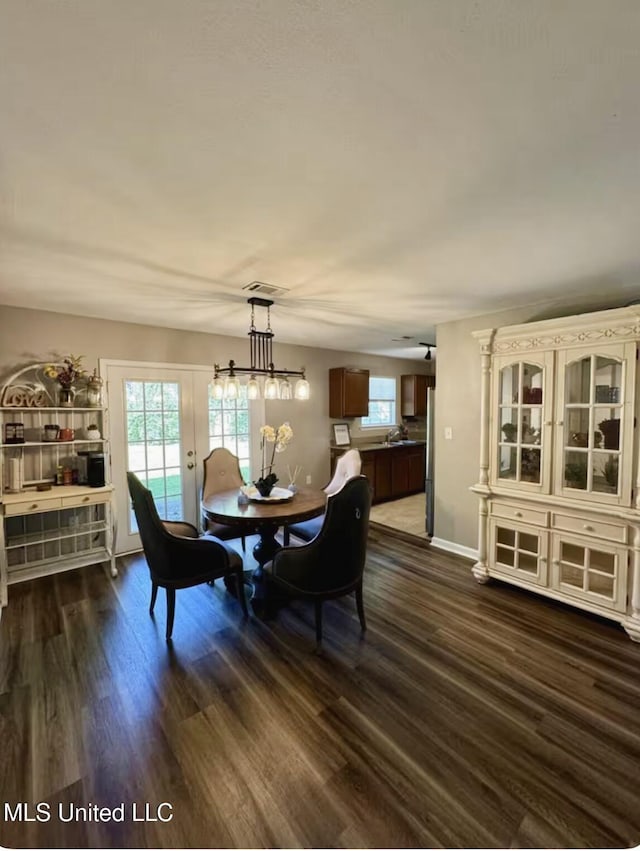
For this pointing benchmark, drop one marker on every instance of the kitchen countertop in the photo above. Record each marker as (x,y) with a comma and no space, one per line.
(370,447)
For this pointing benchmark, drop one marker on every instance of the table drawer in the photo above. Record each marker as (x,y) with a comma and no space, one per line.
(518,512)
(33,506)
(614,532)
(84,499)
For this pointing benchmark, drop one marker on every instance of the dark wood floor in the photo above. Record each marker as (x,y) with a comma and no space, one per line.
(469,715)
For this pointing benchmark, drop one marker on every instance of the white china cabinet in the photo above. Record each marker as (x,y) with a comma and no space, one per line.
(69,524)
(559,486)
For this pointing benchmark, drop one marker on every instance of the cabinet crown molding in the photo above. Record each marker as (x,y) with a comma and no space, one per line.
(583,329)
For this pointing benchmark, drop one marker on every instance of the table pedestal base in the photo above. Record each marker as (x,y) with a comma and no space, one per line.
(265,601)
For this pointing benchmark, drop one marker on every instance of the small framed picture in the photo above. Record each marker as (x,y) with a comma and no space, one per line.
(341,434)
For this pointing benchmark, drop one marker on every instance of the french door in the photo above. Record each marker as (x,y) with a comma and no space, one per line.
(163,424)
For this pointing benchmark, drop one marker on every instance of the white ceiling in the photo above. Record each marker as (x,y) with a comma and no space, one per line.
(393,163)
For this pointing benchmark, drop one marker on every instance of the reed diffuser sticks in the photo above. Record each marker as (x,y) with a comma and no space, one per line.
(296,472)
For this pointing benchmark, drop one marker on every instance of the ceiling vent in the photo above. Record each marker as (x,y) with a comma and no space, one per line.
(265,289)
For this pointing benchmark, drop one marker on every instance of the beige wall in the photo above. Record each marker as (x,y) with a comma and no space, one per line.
(458,408)
(30,336)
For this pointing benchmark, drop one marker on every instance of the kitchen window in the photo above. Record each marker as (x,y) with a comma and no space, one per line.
(382,403)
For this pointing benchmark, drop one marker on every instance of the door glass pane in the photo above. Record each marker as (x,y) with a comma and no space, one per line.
(571,553)
(577,427)
(531,384)
(528,542)
(506,557)
(528,562)
(508,462)
(605,473)
(509,380)
(509,425)
(608,380)
(153,444)
(506,536)
(598,584)
(578,382)
(575,470)
(608,423)
(530,465)
(604,562)
(573,576)
(229,427)
(531,426)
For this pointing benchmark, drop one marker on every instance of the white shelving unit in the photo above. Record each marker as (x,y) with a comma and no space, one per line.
(559,485)
(68,525)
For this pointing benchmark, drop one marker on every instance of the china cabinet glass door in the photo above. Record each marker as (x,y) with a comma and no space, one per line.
(520,455)
(594,421)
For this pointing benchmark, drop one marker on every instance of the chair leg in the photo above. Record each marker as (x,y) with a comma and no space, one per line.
(241,595)
(154,594)
(318,605)
(286,537)
(171,609)
(360,605)
(244,549)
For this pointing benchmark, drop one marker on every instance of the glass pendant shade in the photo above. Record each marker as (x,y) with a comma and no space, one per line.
(285,389)
(278,383)
(302,389)
(253,389)
(271,388)
(217,389)
(231,388)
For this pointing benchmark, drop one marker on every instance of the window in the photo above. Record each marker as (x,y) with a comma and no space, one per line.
(229,427)
(382,403)
(153,444)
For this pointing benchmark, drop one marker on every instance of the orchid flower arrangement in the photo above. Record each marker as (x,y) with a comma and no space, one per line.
(279,438)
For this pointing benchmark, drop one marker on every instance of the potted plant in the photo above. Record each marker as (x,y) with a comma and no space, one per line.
(510,431)
(611,431)
(279,437)
(575,473)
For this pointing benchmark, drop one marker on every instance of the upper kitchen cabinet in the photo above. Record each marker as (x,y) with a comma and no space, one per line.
(348,392)
(413,394)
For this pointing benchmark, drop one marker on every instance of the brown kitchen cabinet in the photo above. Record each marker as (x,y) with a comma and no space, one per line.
(393,472)
(413,394)
(369,470)
(348,392)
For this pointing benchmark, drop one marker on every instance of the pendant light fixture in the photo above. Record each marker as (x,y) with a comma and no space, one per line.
(226,384)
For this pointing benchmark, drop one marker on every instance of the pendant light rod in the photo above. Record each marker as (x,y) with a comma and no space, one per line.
(261,359)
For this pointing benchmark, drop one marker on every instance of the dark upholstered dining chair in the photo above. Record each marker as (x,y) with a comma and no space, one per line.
(177,556)
(332,564)
(221,473)
(348,465)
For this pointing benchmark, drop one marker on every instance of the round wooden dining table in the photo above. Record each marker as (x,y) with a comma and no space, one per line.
(265,518)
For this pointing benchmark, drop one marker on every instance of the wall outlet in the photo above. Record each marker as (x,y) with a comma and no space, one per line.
(308,480)
(448,433)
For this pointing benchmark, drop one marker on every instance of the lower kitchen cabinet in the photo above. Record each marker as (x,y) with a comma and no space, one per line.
(393,471)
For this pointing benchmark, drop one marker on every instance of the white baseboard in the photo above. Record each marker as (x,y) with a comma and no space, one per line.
(457,549)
